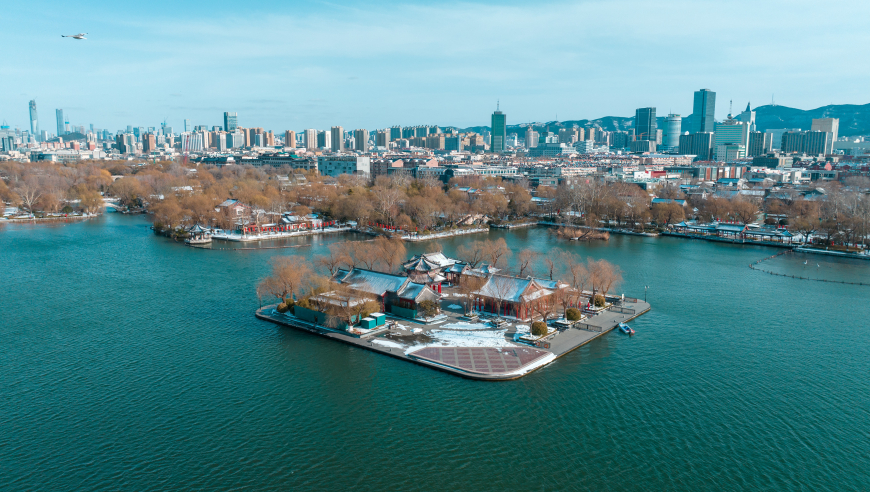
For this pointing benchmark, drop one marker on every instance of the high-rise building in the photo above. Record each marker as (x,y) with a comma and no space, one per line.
(324,140)
(382,138)
(361,140)
(645,127)
(531,138)
(793,141)
(34,120)
(395,133)
(231,121)
(149,143)
(499,132)
(622,140)
(704,111)
(730,132)
(61,129)
(699,145)
(818,142)
(337,138)
(310,139)
(830,125)
(187,126)
(760,143)
(290,139)
(672,131)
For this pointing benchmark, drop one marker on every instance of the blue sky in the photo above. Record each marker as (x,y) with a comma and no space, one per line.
(295,65)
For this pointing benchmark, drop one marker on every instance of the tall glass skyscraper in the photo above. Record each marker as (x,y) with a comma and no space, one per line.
(499,132)
(231,122)
(61,129)
(704,111)
(34,120)
(645,127)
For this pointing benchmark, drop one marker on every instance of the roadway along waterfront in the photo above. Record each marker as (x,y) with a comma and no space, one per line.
(133,363)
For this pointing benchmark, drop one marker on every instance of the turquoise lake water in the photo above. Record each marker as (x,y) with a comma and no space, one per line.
(130,362)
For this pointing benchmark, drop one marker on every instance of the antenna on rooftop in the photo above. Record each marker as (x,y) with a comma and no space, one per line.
(497,104)
(730,106)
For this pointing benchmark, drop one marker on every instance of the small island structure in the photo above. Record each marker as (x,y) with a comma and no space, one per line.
(483,324)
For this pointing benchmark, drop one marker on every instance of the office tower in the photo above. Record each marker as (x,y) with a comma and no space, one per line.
(34,120)
(698,144)
(818,142)
(730,132)
(337,138)
(830,125)
(310,136)
(361,140)
(793,141)
(290,139)
(149,143)
(499,132)
(776,136)
(60,122)
(760,143)
(645,127)
(748,117)
(704,111)
(531,138)
(187,126)
(672,131)
(231,121)
(395,133)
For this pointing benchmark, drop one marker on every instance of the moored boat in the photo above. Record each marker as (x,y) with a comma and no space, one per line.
(626,329)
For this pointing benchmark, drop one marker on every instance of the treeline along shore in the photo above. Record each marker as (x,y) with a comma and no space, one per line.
(178,197)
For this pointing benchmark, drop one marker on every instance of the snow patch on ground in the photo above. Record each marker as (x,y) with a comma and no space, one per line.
(523,329)
(531,367)
(466,338)
(455,306)
(387,343)
(464,326)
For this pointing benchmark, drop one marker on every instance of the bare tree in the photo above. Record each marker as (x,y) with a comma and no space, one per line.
(391,252)
(290,276)
(29,194)
(499,286)
(526,260)
(348,304)
(469,286)
(336,258)
(494,251)
(472,254)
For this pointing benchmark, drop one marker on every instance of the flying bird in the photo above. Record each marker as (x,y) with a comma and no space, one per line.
(80,35)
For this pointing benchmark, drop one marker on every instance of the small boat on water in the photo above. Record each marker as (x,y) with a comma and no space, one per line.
(626,329)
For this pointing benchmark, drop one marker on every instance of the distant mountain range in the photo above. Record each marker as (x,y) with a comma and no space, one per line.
(854,120)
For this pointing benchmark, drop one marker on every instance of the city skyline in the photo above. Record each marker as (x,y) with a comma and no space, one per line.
(299,68)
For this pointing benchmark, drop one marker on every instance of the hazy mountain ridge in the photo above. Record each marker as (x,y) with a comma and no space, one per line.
(854,120)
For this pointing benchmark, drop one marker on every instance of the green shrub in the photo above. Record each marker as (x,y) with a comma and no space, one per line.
(572,314)
(67,210)
(282,308)
(598,301)
(539,328)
